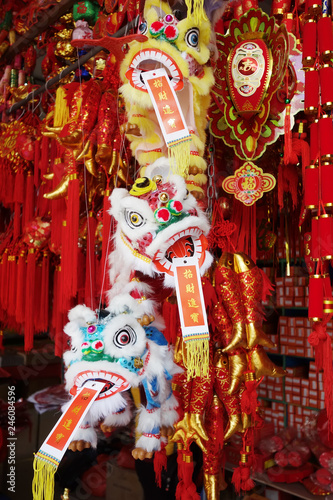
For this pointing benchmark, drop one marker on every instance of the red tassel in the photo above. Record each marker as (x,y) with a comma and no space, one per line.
(44,303)
(249,398)
(20,291)
(241,478)
(12,279)
(29,301)
(44,155)
(287,135)
(18,200)
(19,187)
(160,462)
(29,204)
(36,163)
(37,297)
(188,489)
(4,279)
(69,255)
(58,209)
(90,290)
(321,342)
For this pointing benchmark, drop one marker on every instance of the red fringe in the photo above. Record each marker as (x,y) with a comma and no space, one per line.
(69,254)
(58,209)
(160,462)
(19,187)
(36,164)
(90,289)
(44,155)
(29,205)
(37,301)
(12,279)
(17,220)
(30,301)
(44,303)
(4,280)
(321,342)
(20,288)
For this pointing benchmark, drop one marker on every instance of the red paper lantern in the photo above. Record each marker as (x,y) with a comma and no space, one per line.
(326,86)
(325,228)
(314,142)
(327,184)
(325,38)
(280,7)
(326,138)
(309,43)
(311,186)
(311,92)
(316,297)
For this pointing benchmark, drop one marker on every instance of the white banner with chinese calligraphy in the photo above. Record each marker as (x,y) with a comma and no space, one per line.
(169,114)
(192,312)
(55,445)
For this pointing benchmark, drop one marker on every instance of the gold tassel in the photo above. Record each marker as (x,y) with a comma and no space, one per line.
(197,358)
(43,480)
(196,10)
(61,109)
(179,156)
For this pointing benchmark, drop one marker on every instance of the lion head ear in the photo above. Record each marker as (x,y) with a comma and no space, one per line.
(214,9)
(116,196)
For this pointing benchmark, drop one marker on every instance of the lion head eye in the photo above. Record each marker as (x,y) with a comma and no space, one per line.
(133,219)
(192,38)
(124,336)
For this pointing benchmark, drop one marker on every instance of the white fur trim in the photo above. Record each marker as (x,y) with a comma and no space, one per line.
(120,419)
(148,443)
(88,435)
(82,315)
(148,420)
(103,407)
(169,415)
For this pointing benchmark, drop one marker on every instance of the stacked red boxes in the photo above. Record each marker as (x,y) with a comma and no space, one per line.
(316,397)
(271,388)
(294,333)
(297,418)
(292,291)
(275,415)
